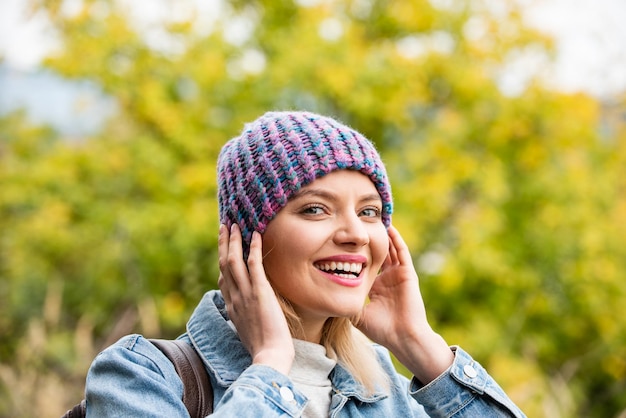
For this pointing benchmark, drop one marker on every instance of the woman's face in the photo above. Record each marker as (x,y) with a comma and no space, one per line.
(324,249)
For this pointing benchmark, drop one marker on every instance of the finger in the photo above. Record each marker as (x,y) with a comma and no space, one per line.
(223,285)
(224,281)
(255,260)
(388,261)
(223,253)
(222,247)
(393,253)
(401,249)
(235,261)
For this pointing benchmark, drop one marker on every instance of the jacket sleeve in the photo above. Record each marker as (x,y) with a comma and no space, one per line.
(134,378)
(464,390)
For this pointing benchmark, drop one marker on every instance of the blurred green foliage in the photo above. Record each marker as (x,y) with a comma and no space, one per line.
(514,205)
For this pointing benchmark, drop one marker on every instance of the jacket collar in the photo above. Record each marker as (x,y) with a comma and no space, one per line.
(344,384)
(223,353)
(217,343)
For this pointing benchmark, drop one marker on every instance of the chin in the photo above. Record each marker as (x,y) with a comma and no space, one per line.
(349,313)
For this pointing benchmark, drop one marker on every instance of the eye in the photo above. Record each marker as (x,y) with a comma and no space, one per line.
(313,209)
(371,212)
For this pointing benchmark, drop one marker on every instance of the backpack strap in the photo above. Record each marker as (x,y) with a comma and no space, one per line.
(78,411)
(198,392)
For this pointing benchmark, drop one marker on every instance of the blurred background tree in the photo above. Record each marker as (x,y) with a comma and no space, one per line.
(512,200)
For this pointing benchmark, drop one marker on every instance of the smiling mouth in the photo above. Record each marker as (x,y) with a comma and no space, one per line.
(345,270)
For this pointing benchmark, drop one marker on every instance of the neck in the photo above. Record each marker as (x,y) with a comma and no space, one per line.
(313,333)
(303,326)
(310,329)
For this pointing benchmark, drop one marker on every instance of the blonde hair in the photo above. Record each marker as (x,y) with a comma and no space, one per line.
(348,345)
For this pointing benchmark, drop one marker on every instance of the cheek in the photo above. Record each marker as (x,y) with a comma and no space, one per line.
(271,256)
(280,251)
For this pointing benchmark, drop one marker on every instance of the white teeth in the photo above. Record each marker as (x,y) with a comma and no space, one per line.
(352,268)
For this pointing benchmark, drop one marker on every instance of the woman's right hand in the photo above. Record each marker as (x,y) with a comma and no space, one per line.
(251,302)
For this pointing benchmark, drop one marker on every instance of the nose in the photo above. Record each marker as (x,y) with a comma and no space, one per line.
(351,230)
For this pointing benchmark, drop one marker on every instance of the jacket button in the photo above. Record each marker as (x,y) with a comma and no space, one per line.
(286,394)
(469,371)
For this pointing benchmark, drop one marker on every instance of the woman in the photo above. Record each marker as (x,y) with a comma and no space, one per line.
(311,272)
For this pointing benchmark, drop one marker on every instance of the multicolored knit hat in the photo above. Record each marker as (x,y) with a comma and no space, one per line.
(278,154)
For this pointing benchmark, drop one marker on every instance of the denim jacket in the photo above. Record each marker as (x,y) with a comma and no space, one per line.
(133,378)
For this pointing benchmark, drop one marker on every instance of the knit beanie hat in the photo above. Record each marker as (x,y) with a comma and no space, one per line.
(278,154)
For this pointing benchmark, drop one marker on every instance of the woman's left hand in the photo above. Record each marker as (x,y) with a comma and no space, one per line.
(395,316)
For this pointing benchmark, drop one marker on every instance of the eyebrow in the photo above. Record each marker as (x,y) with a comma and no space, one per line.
(331,196)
